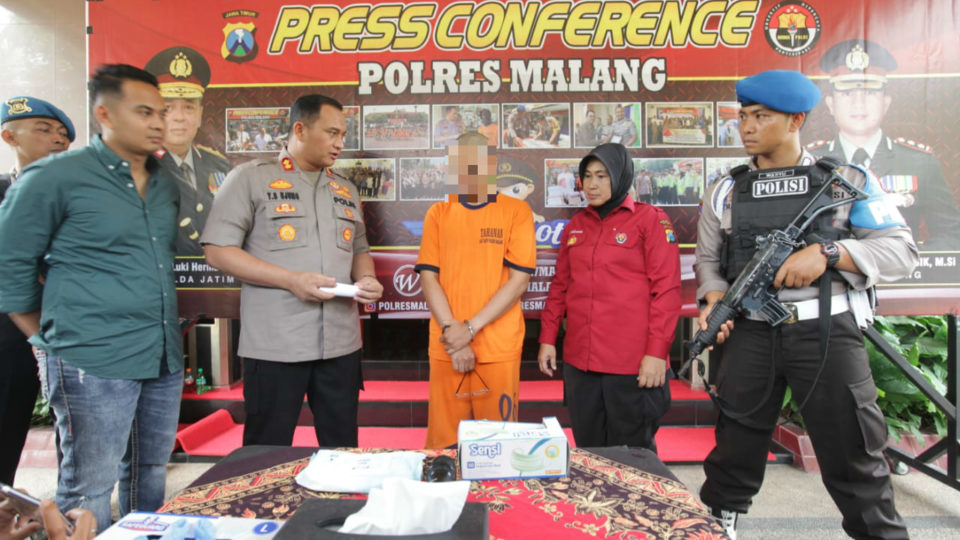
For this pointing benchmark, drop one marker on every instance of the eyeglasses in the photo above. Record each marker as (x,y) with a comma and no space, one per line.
(482,391)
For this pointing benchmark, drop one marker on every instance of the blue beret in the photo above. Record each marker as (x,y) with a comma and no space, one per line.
(19,107)
(779,89)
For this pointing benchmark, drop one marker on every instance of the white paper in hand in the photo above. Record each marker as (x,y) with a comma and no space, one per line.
(405,506)
(341,289)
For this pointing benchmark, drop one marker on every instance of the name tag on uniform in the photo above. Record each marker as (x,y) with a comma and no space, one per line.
(780,183)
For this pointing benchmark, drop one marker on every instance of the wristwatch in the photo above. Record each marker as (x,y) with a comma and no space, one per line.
(831,251)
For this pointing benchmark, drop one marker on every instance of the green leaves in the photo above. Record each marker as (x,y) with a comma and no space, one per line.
(923,342)
(41,412)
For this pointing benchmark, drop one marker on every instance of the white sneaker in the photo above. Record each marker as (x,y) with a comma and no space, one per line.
(727,519)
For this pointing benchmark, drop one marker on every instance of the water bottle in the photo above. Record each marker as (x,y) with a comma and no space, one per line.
(201,382)
(189,384)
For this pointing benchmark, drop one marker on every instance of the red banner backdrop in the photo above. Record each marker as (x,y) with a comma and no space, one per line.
(401,67)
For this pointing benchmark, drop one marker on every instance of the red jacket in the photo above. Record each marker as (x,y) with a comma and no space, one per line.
(618,283)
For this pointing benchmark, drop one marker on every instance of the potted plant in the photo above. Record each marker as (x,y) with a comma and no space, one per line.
(912,421)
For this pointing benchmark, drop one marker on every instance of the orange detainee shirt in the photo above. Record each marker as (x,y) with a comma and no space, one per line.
(472,248)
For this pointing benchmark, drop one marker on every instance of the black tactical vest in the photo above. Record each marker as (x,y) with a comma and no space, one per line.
(769,199)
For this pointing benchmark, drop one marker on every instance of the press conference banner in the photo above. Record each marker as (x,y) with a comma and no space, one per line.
(547,81)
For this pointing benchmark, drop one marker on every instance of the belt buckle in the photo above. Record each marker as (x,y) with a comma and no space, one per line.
(792,308)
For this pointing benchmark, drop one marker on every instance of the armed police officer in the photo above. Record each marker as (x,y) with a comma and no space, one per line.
(906,169)
(819,351)
(183,74)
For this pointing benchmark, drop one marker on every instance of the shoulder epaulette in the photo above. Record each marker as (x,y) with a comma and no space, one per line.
(209,150)
(334,174)
(913,145)
(817,144)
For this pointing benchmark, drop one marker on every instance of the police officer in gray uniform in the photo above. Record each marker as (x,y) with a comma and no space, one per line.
(907,169)
(859,245)
(183,75)
(287,227)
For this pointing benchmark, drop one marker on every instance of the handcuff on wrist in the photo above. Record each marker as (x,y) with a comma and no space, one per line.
(469,328)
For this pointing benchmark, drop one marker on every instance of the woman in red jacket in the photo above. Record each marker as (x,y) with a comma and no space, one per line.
(618,284)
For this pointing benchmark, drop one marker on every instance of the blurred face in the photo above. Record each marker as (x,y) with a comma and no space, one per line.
(619,113)
(471,173)
(596,183)
(35,138)
(133,123)
(183,121)
(764,130)
(319,143)
(591,116)
(858,112)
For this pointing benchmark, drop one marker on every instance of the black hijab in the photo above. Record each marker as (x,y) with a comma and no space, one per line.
(620,168)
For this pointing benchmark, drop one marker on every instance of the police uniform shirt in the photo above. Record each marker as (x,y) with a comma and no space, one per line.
(850,149)
(195,195)
(913,174)
(304,222)
(880,244)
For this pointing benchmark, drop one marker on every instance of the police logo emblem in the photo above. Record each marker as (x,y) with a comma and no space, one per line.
(620,238)
(18,106)
(857,59)
(572,240)
(285,208)
(280,183)
(348,234)
(349,213)
(671,236)
(287,233)
(792,28)
(180,66)
(239,43)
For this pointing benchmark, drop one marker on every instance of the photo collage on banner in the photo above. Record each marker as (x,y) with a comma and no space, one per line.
(413,76)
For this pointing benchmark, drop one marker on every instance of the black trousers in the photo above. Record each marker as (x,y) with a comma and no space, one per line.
(273,396)
(19,386)
(845,424)
(610,410)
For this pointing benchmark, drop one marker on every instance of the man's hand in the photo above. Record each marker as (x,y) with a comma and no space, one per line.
(463,360)
(14,526)
(84,524)
(653,372)
(547,358)
(370,290)
(801,268)
(456,337)
(712,297)
(306,286)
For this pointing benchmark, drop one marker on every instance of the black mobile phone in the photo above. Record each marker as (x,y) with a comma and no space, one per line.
(27,505)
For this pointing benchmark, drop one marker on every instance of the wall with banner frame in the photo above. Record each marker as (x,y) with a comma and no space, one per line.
(657,75)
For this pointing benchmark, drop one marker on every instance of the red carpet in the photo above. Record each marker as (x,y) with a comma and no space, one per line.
(418,391)
(218,435)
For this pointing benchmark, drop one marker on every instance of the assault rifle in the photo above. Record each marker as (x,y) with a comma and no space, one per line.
(753,292)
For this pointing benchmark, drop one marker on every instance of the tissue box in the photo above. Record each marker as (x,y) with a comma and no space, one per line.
(311,520)
(137,524)
(492,450)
